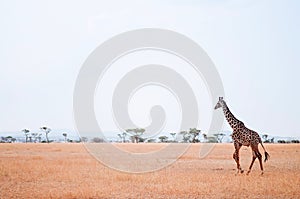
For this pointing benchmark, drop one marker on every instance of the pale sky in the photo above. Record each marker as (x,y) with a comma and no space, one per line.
(253,44)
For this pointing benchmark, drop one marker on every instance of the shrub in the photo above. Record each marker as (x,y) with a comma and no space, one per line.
(281,141)
(97,140)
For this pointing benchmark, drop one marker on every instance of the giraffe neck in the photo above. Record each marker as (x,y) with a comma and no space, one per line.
(233,122)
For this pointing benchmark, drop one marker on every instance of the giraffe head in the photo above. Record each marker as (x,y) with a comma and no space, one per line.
(220,103)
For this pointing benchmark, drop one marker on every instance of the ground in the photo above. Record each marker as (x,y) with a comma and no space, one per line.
(68,171)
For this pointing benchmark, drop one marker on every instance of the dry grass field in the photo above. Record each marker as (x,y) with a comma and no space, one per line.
(68,171)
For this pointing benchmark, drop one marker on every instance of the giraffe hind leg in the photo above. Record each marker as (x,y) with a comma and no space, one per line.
(253,159)
(259,156)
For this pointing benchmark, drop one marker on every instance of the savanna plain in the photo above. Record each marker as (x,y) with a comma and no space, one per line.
(58,170)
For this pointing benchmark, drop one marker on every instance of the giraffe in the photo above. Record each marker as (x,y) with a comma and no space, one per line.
(242,136)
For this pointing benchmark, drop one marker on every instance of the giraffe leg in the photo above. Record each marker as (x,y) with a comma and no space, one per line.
(236,157)
(259,156)
(253,159)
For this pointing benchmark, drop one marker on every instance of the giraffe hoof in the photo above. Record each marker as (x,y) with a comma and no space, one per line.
(262,173)
(242,171)
(247,173)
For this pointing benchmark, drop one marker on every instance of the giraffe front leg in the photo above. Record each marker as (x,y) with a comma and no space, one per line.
(236,158)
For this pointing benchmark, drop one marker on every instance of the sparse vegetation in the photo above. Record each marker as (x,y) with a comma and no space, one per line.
(7,139)
(212,139)
(191,136)
(173,136)
(84,139)
(163,138)
(151,140)
(122,136)
(46,130)
(219,137)
(136,134)
(288,141)
(97,140)
(295,141)
(65,135)
(26,132)
(265,138)
(194,135)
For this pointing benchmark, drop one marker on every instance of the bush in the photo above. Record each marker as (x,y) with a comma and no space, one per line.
(151,140)
(212,140)
(97,140)
(281,141)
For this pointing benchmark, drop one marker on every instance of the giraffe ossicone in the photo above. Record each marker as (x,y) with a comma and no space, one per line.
(242,136)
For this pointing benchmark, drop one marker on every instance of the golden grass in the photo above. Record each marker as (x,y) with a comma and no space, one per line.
(68,171)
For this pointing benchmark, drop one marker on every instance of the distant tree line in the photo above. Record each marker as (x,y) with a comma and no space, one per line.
(266,139)
(135,135)
(288,142)
(8,139)
(193,135)
(36,137)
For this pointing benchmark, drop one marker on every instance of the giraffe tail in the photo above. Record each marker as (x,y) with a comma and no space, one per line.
(267,156)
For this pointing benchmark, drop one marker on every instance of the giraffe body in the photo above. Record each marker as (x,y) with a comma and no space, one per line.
(246,137)
(242,136)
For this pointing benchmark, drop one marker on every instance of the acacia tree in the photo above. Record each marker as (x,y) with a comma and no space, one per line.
(163,138)
(194,134)
(9,139)
(173,136)
(26,132)
(65,135)
(123,137)
(39,137)
(136,134)
(46,130)
(30,137)
(186,136)
(34,136)
(265,137)
(191,136)
(204,136)
(120,136)
(219,137)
